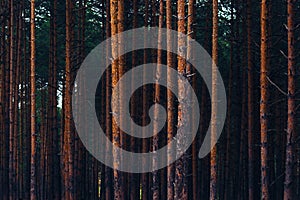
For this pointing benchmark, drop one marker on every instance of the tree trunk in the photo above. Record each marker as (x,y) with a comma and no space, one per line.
(289,162)
(157,100)
(55,169)
(170,104)
(181,172)
(12,174)
(190,54)
(68,131)
(33,190)
(115,77)
(145,141)
(122,103)
(108,120)
(213,154)
(263,103)
(134,180)
(250,102)
(3,187)
(228,166)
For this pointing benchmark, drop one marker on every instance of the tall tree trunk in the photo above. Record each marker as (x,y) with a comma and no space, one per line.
(17,125)
(115,76)
(157,100)
(33,186)
(108,120)
(263,103)
(181,189)
(228,166)
(170,103)
(122,103)
(3,187)
(289,163)
(12,178)
(134,180)
(213,154)
(68,132)
(250,102)
(145,141)
(54,129)
(190,54)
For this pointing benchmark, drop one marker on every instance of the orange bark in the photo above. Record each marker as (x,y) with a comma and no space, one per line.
(291,124)
(32,107)
(213,154)
(170,103)
(263,103)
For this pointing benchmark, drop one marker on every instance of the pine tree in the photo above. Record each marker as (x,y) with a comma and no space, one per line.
(33,186)
(289,162)
(213,154)
(264,102)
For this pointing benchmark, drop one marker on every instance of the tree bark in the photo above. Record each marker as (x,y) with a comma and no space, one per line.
(157,100)
(145,142)
(213,153)
(170,104)
(134,180)
(289,162)
(181,172)
(68,132)
(250,102)
(33,190)
(115,76)
(108,120)
(263,103)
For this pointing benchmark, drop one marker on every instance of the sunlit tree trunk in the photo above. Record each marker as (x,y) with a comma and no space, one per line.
(115,103)
(123,87)
(213,153)
(170,104)
(33,186)
(181,172)
(264,102)
(291,124)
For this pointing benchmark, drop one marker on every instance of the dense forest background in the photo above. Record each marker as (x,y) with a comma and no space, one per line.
(256,47)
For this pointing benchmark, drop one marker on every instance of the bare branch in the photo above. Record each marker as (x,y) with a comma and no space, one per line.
(283,54)
(280,90)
